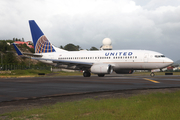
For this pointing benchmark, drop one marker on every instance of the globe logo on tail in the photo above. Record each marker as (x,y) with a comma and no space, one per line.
(43,45)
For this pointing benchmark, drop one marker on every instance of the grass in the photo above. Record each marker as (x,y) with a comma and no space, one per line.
(155,106)
(62,73)
(24,73)
(34,73)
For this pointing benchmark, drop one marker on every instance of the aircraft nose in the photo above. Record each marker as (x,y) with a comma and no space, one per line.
(169,61)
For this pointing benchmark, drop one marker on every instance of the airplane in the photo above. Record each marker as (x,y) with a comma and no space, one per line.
(99,62)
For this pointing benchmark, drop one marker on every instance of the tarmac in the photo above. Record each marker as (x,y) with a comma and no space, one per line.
(14,89)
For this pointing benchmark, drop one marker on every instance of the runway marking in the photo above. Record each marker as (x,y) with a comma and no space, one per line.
(151,80)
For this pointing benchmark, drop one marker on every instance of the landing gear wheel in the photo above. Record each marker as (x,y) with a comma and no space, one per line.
(101,75)
(152,74)
(86,74)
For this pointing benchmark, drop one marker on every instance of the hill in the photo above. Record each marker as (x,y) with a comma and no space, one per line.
(9,56)
(177,62)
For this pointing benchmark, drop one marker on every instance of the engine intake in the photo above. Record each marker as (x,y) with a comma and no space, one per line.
(101,69)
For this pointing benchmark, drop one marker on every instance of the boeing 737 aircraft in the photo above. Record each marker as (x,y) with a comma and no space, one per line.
(97,62)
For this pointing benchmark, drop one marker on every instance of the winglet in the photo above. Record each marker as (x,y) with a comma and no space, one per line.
(17,50)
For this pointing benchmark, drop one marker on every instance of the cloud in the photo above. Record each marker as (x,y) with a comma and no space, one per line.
(153,4)
(130,24)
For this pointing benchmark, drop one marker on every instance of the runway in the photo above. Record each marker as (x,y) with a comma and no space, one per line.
(31,88)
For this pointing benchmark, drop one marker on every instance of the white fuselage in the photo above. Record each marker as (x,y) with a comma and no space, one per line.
(119,59)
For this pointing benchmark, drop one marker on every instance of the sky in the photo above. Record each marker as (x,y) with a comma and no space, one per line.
(130,24)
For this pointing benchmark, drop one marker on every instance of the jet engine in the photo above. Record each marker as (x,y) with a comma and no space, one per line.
(101,69)
(124,71)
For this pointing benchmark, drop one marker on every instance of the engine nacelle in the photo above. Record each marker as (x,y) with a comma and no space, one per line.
(101,69)
(124,71)
(74,67)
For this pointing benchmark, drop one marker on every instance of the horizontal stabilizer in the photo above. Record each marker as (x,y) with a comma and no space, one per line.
(32,54)
(22,54)
(17,50)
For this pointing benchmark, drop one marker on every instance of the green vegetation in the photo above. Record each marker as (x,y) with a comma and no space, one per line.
(6,56)
(23,73)
(7,52)
(35,72)
(93,48)
(72,47)
(63,73)
(29,72)
(155,106)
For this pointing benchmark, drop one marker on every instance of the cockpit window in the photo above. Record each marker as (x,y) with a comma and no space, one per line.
(159,56)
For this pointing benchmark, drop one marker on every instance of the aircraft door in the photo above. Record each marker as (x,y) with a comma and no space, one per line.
(146,57)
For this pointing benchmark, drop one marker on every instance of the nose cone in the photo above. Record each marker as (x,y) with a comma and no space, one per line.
(169,61)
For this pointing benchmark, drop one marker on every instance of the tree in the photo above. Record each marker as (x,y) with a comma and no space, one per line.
(79,48)
(93,48)
(10,58)
(61,47)
(71,47)
(4,46)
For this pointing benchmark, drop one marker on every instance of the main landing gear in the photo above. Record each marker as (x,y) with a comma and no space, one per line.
(101,75)
(86,74)
(152,74)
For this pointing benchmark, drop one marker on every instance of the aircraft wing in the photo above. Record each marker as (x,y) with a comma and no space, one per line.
(59,62)
(66,62)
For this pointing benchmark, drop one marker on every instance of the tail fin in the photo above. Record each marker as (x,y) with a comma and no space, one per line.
(41,43)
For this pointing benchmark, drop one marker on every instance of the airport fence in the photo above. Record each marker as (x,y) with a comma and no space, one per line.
(6,67)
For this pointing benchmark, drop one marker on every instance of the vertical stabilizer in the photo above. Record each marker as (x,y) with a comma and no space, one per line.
(41,43)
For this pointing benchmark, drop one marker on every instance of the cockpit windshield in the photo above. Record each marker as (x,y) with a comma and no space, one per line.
(159,56)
